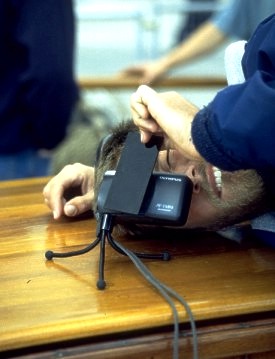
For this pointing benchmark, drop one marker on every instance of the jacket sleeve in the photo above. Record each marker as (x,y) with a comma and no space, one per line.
(237,129)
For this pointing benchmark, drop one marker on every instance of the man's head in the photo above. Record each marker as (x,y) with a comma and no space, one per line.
(219,199)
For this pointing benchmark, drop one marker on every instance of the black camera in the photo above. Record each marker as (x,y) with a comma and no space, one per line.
(166,200)
(135,193)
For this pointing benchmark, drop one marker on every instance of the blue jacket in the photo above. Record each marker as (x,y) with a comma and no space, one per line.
(237,129)
(37,86)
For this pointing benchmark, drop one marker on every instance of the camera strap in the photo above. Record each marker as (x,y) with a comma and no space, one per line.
(133,173)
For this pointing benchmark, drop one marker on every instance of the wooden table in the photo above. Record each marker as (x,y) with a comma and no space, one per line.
(51,309)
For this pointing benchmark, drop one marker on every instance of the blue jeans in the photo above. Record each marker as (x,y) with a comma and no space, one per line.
(28,163)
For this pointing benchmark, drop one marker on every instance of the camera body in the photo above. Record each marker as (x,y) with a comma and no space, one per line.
(166,200)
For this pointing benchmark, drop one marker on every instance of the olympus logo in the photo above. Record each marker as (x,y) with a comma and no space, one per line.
(166,178)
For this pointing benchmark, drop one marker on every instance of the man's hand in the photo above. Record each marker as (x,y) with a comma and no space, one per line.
(70,177)
(166,114)
(148,73)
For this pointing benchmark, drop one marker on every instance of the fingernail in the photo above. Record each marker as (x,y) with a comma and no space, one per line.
(55,215)
(70,210)
(142,137)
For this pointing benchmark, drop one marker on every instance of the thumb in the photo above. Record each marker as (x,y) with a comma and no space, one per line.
(79,205)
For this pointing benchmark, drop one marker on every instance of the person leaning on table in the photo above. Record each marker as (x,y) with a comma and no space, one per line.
(235,131)
(228,134)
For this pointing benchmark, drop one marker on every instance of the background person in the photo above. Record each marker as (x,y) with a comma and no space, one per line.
(37,87)
(194,19)
(238,19)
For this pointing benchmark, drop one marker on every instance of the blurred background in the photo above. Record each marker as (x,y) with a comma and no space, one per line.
(114,34)
(110,36)
(40,85)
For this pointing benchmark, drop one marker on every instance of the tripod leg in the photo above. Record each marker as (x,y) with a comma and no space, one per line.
(101,284)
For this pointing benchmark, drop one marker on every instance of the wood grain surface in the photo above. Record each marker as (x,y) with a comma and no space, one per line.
(45,302)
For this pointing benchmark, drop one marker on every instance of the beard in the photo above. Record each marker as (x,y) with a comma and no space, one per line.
(245,197)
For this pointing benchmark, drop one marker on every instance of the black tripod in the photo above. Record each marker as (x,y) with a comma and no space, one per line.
(104,231)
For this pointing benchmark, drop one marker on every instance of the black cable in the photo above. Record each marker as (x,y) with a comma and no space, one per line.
(139,265)
(165,291)
(190,315)
(105,230)
(165,256)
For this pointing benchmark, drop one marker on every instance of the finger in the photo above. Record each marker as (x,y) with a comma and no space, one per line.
(145,136)
(53,198)
(147,130)
(147,104)
(145,94)
(142,117)
(139,110)
(54,191)
(79,205)
(158,105)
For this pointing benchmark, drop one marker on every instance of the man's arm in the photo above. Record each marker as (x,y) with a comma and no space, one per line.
(204,40)
(236,130)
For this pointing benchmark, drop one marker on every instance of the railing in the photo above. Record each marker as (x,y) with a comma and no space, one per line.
(119,82)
